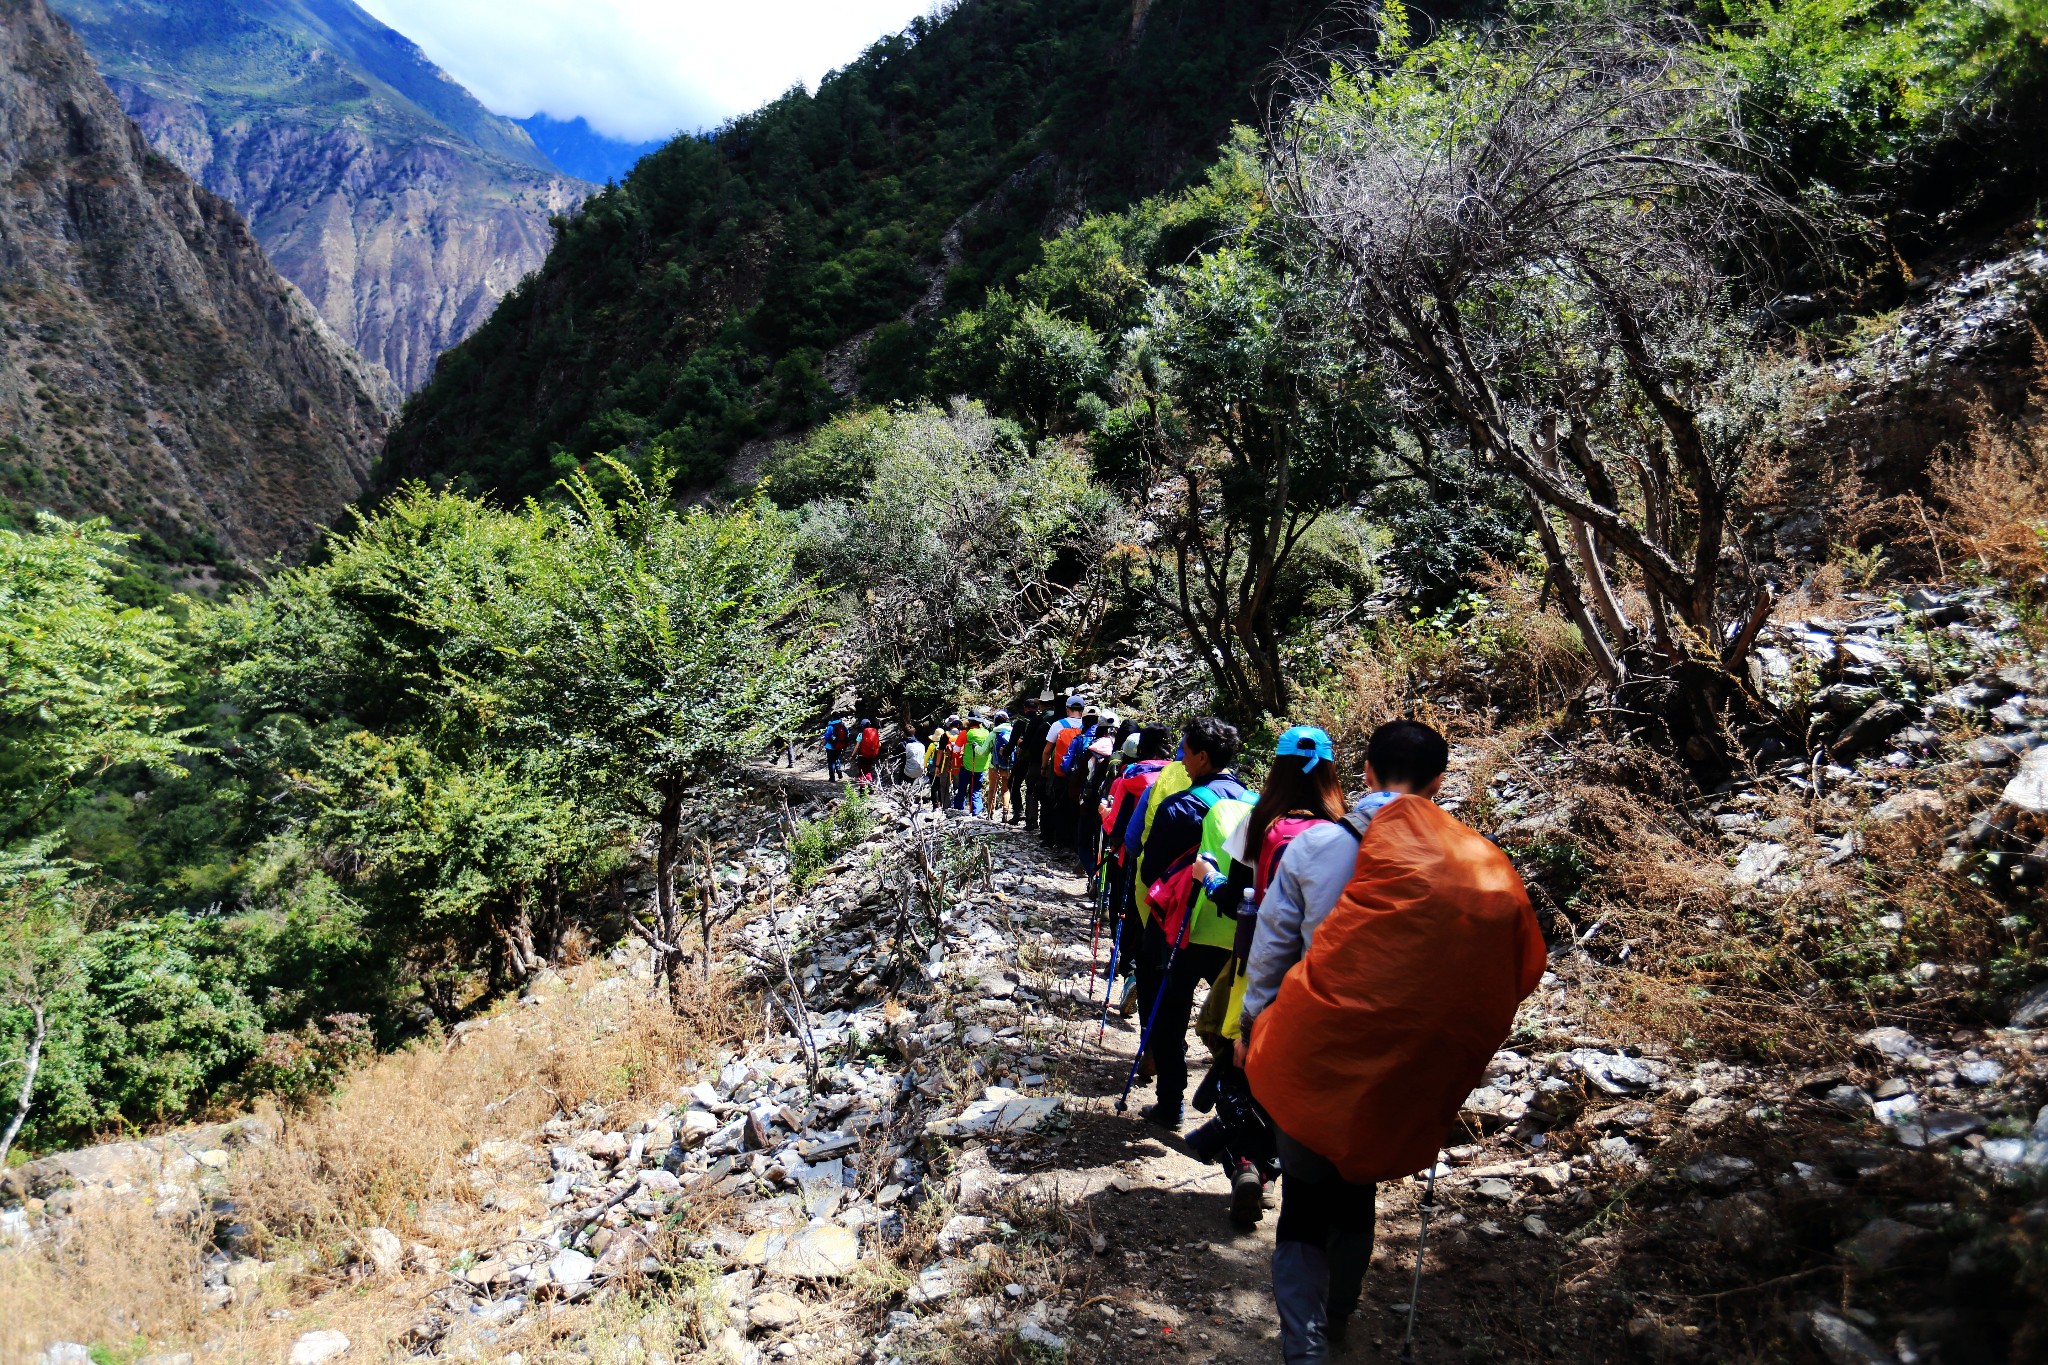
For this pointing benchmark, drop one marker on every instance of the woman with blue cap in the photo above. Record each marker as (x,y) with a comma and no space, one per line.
(1302,790)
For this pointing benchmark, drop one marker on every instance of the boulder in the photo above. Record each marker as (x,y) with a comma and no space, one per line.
(2028,789)
(775,1311)
(2032,1008)
(382,1251)
(999,1111)
(313,1348)
(816,1251)
(1871,729)
(1720,1171)
(1894,1043)
(1843,1342)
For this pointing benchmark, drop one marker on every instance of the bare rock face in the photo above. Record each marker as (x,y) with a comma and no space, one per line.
(405,247)
(154,367)
(400,206)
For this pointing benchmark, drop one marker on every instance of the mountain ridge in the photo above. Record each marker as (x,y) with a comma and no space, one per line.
(154,367)
(580,150)
(399,205)
(695,305)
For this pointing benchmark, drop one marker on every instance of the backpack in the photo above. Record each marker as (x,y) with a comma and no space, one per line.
(835,735)
(870,742)
(1172,895)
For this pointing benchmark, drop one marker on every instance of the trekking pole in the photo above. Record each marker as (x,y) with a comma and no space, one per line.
(1116,936)
(1152,1015)
(1421,1244)
(1095,928)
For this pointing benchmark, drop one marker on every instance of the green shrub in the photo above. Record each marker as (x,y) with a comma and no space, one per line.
(815,845)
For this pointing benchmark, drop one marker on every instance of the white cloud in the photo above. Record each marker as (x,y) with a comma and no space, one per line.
(640,69)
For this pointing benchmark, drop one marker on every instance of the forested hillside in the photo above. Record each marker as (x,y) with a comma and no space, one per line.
(716,293)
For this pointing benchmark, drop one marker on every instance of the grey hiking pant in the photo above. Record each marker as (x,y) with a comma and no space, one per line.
(1320,1251)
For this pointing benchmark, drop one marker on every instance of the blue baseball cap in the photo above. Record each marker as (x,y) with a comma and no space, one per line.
(1308,740)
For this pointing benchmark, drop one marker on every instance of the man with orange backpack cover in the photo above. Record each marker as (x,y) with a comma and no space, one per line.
(1406,985)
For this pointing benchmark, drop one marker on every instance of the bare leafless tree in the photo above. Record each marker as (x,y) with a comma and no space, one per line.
(1542,233)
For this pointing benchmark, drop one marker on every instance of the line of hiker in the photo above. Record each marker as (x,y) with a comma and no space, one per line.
(1363,962)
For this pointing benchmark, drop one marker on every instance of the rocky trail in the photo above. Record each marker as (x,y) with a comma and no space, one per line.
(906,1146)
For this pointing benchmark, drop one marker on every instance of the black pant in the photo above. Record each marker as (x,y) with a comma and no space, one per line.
(1024,796)
(1170,1002)
(1056,813)
(1320,1250)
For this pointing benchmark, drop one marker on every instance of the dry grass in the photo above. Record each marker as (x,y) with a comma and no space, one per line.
(117,1275)
(393,1141)
(1510,665)
(392,1148)
(1994,495)
(1674,951)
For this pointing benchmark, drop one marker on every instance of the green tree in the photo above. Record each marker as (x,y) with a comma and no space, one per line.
(86,684)
(656,649)
(945,560)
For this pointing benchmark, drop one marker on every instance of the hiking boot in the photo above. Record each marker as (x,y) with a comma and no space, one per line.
(1163,1116)
(1147,1068)
(1124,1011)
(1247,1195)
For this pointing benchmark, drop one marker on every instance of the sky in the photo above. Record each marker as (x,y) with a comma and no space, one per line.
(640,69)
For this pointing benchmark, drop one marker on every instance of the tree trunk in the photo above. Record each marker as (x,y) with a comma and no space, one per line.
(28,1084)
(669,919)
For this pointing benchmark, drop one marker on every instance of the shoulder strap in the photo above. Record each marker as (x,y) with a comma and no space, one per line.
(1356,822)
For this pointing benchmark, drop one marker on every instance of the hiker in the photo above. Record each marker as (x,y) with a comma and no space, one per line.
(1384,973)
(866,750)
(1068,750)
(938,761)
(837,741)
(1091,773)
(977,751)
(1001,761)
(1122,810)
(1028,775)
(1302,792)
(1053,808)
(1188,938)
(913,757)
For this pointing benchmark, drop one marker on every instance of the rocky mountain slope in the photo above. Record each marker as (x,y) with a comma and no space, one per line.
(917,1152)
(153,365)
(399,205)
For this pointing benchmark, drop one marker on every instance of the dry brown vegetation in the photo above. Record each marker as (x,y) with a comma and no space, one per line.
(1994,493)
(396,1147)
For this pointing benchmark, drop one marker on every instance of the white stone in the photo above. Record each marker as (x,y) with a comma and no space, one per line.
(570,1269)
(314,1347)
(817,1251)
(1757,863)
(386,1254)
(775,1310)
(1000,1110)
(962,1231)
(2029,787)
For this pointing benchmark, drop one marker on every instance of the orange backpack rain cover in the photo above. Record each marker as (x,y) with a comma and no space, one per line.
(1408,989)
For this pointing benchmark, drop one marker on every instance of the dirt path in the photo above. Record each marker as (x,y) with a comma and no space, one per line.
(1176,1279)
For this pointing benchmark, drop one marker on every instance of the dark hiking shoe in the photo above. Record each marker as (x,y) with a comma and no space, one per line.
(1247,1196)
(1163,1116)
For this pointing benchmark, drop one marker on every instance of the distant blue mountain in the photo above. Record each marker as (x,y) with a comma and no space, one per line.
(580,150)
